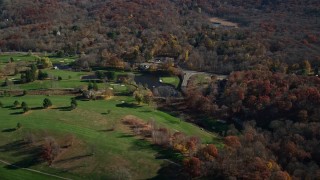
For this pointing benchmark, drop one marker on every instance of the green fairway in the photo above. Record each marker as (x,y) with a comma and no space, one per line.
(115,151)
(5,57)
(173,80)
(9,174)
(70,79)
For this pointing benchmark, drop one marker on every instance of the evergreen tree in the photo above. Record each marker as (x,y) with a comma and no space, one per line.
(16,104)
(24,104)
(25,108)
(74,103)
(18,126)
(47,103)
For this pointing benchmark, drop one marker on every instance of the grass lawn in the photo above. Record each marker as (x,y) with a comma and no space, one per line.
(9,174)
(5,57)
(62,60)
(173,80)
(70,79)
(115,152)
(201,79)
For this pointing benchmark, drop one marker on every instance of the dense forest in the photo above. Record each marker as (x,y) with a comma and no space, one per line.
(274,35)
(271,98)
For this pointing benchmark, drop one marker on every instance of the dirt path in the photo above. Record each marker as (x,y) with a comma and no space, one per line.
(35,171)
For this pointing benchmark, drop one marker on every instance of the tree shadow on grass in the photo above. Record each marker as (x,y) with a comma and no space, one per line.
(8,107)
(19,95)
(72,168)
(65,108)
(37,108)
(16,113)
(171,166)
(106,130)
(74,158)
(162,152)
(128,105)
(169,171)
(30,155)
(9,130)
(125,136)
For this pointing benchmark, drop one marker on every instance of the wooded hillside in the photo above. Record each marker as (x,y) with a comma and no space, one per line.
(274,34)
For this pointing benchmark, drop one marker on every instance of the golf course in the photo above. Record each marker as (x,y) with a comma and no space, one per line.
(93,141)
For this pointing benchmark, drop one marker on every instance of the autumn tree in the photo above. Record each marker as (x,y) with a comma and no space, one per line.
(303,115)
(44,62)
(142,94)
(306,67)
(208,153)
(192,166)
(50,150)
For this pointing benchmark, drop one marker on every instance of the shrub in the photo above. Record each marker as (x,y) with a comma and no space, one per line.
(1,104)
(18,126)
(42,75)
(24,104)
(16,104)
(47,103)
(25,109)
(25,92)
(73,104)
(111,75)
(133,121)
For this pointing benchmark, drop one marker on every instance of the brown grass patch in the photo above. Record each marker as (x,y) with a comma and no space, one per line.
(76,158)
(26,113)
(133,121)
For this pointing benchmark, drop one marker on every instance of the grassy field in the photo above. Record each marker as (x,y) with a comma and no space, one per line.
(5,57)
(173,80)
(70,79)
(9,174)
(116,153)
